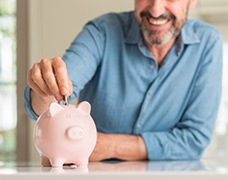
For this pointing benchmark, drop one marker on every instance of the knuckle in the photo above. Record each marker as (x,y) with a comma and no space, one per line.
(60,70)
(35,67)
(57,59)
(35,76)
(44,61)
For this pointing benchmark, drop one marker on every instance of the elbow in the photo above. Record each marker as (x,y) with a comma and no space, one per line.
(198,148)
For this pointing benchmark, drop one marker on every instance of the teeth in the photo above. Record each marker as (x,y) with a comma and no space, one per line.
(157,22)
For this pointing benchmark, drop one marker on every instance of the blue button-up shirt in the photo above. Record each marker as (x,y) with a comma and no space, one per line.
(173,107)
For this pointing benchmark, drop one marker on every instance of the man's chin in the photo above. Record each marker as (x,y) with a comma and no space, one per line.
(158,39)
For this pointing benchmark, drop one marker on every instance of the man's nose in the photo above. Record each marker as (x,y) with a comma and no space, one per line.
(157,8)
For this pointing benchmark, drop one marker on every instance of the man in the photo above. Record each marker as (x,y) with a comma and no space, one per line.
(152,77)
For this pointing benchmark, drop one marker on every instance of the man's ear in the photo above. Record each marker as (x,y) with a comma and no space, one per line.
(192,3)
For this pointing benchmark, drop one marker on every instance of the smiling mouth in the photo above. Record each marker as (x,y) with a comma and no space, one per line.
(157,22)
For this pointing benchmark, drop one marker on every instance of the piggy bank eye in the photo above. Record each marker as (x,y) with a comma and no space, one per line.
(76,115)
(68,115)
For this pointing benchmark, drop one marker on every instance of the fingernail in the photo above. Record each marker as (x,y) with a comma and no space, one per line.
(59,97)
(64,91)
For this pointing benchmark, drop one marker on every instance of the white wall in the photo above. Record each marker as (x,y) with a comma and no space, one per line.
(216,13)
(55,23)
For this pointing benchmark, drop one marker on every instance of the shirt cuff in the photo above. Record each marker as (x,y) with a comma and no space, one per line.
(155,151)
(27,104)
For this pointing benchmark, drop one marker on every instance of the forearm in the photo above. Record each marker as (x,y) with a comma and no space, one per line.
(120,146)
(39,103)
(128,147)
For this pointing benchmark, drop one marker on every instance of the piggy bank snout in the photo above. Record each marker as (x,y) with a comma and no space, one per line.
(75,133)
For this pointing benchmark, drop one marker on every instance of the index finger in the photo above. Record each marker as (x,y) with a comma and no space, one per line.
(60,71)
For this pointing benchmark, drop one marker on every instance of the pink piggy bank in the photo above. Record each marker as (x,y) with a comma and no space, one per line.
(65,134)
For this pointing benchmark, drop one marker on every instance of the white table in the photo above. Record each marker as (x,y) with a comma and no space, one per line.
(209,169)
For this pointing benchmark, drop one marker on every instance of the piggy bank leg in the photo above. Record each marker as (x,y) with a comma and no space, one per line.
(82,169)
(82,163)
(57,162)
(45,161)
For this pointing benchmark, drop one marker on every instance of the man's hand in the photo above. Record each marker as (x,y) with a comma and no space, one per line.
(49,82)
(120,146)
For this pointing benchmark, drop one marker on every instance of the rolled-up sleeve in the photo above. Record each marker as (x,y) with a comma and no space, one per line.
(27,104)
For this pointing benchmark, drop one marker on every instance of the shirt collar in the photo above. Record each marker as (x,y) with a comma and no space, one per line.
(134,34)
(188,34)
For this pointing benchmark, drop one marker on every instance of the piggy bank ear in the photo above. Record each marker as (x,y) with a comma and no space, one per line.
(54,108)
(85,106)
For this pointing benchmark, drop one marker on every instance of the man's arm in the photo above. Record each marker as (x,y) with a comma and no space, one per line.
(51,79)
(120,146)
(188,139)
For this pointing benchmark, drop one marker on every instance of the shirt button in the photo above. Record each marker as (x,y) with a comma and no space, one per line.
(149,94)
(151,66)
(139,126)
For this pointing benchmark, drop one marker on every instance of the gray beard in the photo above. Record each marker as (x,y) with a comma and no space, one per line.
(172,33)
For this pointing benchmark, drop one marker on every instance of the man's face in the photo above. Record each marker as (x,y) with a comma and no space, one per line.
(161,20)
